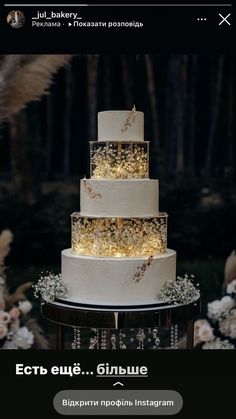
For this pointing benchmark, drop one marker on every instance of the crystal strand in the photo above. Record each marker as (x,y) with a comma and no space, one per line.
(176,337)
(172,337)
(121,343)
(103,339)
(149,336)
(97,337)
(140,337)
(92,343)
(120,339)
(155,338)
(124,345)
(78,338)
(93,339)
(113,341)
(73,345)
(131,337)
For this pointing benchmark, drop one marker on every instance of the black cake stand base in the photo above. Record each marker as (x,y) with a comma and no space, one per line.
(81,315)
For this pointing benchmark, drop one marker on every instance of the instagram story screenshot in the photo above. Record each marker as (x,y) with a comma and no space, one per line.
(117,209)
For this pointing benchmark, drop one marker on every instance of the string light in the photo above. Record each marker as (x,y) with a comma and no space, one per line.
(118,237)
(119,160)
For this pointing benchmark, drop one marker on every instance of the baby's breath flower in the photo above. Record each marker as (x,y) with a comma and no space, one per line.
(50,287)
(181,291)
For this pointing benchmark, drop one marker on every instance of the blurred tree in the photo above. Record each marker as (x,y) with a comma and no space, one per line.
(216,89)
(151,87)
(190,111)
(49,138)
(67,120)
(181,89)
(92,74)
(26,184)
(188,103)
(231,113)
(129,101)
(107,82)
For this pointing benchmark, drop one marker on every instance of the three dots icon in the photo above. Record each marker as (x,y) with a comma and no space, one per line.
(202,19)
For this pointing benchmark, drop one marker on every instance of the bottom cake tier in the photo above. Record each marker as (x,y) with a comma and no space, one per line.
(116,281)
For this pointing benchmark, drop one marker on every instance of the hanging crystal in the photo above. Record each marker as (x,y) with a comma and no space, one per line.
(93,342)
(97,338)
(140,337)
(121,339)
(121,343)
(113,341)
(76,338)
(156,339)
(73,345)
(174,336)
(103,339)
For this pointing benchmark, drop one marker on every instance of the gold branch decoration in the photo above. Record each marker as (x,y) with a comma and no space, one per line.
(140,271)
(25,78)
(90,191)
(129,120)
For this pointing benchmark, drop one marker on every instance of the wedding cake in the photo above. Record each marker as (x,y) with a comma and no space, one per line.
(119,253)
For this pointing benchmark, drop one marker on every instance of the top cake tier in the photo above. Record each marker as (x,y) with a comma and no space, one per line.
(121,126)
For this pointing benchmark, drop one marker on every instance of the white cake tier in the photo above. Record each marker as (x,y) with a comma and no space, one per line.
(120,125)
(119,198)
(116,281)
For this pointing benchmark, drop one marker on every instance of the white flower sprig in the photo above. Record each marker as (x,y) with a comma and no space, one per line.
(220,309)
(231,288)
(23,338)
(218,344)
(227,327)
(49,287)
(181,291)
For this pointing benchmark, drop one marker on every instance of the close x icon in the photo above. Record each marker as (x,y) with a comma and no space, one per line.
(224,19)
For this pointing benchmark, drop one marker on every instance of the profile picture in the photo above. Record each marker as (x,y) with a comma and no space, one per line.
(16,19)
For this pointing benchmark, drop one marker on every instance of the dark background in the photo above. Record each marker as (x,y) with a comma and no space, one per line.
(189,104)
(200,376)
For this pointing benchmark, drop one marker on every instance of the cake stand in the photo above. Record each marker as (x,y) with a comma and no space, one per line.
(108,318)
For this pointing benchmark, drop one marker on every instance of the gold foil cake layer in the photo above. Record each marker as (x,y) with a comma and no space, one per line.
(119,237)
(119,160)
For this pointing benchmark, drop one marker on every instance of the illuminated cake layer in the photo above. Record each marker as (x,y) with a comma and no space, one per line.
(121,126)
(119,198)
(119,237)
(119,160)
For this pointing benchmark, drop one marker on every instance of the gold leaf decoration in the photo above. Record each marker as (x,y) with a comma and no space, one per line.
(129,120)
(140,271)
(90,190)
